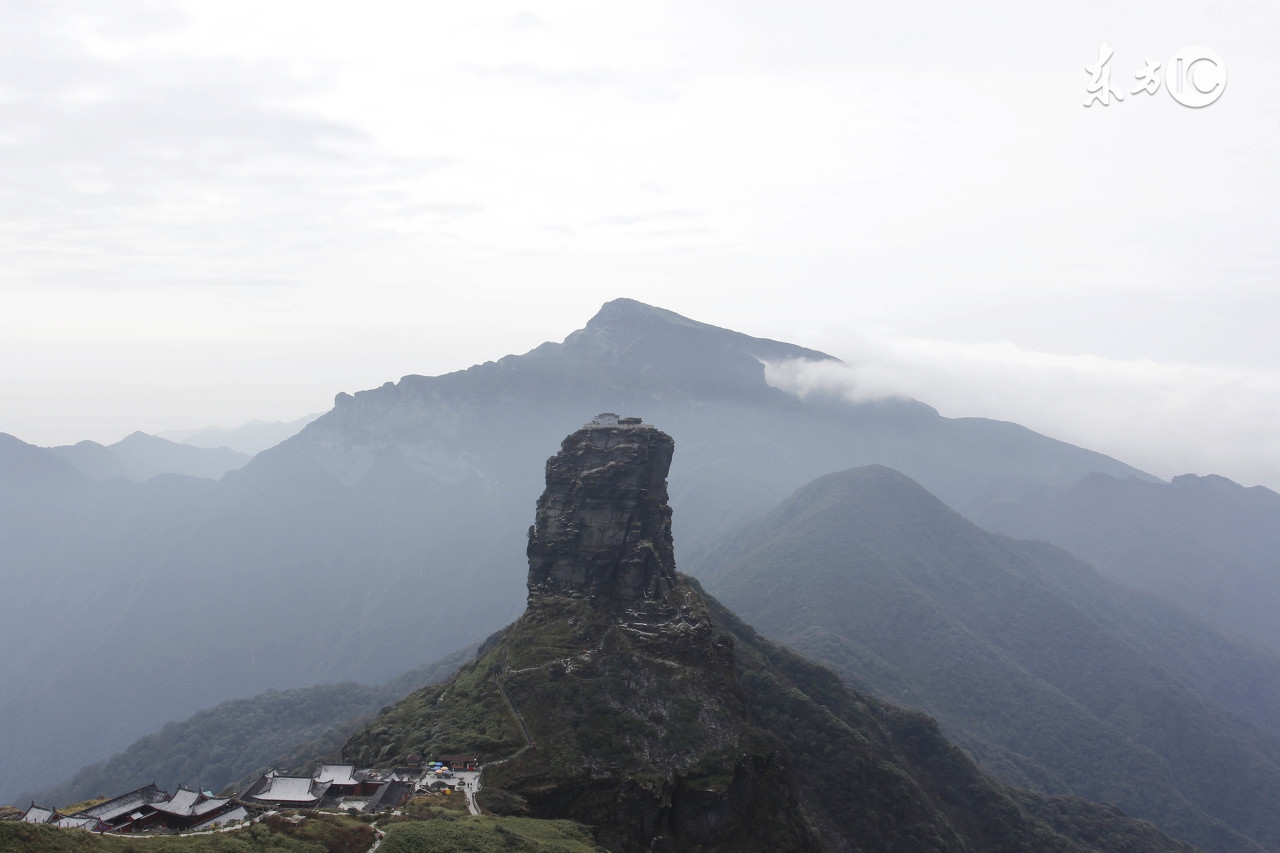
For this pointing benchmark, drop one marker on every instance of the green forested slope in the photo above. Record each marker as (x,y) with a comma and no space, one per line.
(1049,675)
(1205,543)
(701,735)
(216,747)
(488,835)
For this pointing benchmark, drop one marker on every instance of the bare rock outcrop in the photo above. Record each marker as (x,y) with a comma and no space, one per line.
(603,525)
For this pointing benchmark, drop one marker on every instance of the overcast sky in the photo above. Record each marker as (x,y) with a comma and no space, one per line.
(218,211)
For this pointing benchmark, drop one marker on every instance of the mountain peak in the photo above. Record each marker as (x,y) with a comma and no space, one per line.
(877,496)
(625,309)
(635,326)
(25,464)
(640,347)
(139,438)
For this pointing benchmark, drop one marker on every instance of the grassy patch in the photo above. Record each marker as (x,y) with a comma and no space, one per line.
(336,833)
(30,838)
(319,833)
(481,724)
(81,806)
(433,806)
(485,834)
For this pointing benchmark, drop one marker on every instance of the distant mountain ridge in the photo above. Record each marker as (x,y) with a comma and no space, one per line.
(139,456)
(248,438)
(1053,677)
(1206,543)
(708,382)
(23,465)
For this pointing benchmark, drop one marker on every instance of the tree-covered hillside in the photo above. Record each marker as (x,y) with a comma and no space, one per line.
(221,745)
(1205,543)
(1051,676)
(704,736)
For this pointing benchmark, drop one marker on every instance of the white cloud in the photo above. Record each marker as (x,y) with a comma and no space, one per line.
(1165,418)
(128,165)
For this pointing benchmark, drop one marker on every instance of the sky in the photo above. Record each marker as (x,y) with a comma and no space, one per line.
(212,212)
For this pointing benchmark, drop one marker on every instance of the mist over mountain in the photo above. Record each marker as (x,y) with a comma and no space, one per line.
(1206,543)
(25,465)
(405,506)
(215,747)
(248,438)
(1051,676)
(140,456)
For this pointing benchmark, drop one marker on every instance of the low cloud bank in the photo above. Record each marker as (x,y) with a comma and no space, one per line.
(1167,419)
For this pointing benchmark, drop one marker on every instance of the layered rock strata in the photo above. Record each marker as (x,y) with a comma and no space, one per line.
(603,525)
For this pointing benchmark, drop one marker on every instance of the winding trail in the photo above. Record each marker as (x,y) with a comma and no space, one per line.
(474,787)
(524,730)
(378,836)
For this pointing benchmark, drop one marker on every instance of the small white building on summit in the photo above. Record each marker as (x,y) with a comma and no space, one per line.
(611,419)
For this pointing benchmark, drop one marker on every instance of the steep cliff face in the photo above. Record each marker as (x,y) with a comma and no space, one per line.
(626,699)
(603,527)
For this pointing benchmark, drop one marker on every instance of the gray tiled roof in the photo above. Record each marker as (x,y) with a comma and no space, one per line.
(238,813)
(289,789)
(209,805)
(38,814)
(180,803)
(89,824)
(125,803)
(388,796)
(338,774)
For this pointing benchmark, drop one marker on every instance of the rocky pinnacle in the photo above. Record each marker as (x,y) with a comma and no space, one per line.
(603,527)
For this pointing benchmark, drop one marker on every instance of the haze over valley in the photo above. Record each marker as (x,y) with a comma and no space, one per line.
(680,427)
(390,531)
